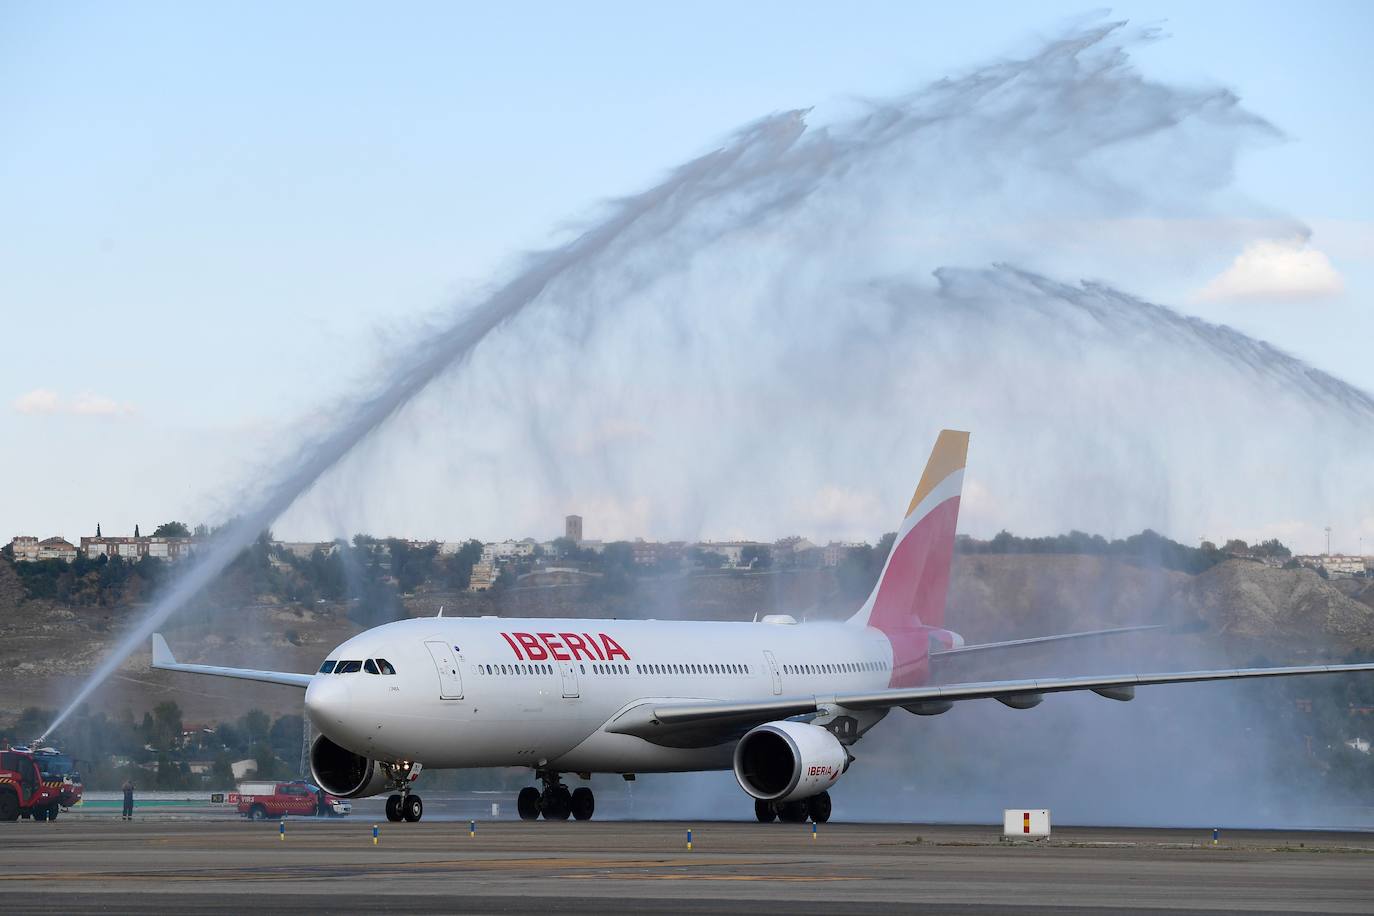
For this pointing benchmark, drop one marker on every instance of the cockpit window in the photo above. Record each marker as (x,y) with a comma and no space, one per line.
(328,667)
(349,667)
(370,666)
(385,666)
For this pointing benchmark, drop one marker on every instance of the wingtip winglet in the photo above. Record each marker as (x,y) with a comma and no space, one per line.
(162,655)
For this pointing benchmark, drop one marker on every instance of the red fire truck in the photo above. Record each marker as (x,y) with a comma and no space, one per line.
(60,775)
(23,791)
(262,800)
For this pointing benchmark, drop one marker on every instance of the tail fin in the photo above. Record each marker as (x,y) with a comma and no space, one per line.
(915,580)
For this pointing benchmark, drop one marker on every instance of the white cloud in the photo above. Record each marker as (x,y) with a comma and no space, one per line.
(1271,269)
(47,401)
(39,400)
(97,405)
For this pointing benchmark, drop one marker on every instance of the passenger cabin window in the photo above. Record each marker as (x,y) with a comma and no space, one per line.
(328,667)
(349,667)
(385,666)
(370,667)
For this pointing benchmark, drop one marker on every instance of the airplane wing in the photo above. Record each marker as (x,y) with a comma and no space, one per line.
(670,723)
(163,659)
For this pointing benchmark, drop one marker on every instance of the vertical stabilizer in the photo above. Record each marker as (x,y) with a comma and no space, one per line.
(914,583)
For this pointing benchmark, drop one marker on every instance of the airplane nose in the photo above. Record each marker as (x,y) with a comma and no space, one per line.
(326,702)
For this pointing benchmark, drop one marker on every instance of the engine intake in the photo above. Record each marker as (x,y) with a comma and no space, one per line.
(343,773)
(786,761)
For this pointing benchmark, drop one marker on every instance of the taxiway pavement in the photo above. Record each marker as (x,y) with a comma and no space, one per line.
(221,864)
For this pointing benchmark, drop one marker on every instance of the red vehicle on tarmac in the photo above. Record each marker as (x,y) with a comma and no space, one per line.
(23,791)
(262,800)
(60,775)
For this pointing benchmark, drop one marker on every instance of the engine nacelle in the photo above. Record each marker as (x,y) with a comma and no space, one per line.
(787,761)
(343,773)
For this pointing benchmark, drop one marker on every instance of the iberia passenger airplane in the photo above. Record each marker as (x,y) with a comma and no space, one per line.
(781,703)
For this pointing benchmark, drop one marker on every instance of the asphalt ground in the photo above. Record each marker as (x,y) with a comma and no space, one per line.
(179,863)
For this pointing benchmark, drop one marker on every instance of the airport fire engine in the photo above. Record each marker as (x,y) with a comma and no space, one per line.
(23,791)
(60,775)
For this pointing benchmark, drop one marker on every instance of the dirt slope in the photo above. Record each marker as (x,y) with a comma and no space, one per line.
(1238,609)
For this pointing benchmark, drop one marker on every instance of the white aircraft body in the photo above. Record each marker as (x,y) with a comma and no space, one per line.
(780,703)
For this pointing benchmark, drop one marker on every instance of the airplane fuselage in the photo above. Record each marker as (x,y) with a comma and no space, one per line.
(537,692)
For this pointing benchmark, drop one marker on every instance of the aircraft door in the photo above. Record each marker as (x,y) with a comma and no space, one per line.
(569,679)
(773,669)
(446,664)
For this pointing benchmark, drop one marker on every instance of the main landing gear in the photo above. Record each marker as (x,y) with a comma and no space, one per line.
(816,809)
(555,802)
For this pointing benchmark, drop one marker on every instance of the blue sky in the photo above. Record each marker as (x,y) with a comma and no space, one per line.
(214,218)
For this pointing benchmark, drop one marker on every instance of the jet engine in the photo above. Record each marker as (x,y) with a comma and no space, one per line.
(343,773)
(787,761)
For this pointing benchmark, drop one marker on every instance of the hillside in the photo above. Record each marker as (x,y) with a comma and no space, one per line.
(1237,611)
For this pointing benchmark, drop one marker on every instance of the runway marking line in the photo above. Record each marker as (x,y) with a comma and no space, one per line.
(372,869)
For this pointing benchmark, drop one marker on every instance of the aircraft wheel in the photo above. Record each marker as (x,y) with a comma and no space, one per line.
(412,809)
(793,812)
(818,806)
(557,804)
(583,803)
(527,803)
(764,812)
(393,807)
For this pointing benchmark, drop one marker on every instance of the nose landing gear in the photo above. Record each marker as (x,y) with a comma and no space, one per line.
(405,805)
(555,802)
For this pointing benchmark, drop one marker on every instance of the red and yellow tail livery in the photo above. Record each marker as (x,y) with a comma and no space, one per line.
(909,600)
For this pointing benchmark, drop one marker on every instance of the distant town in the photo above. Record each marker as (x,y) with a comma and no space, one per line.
(568,556)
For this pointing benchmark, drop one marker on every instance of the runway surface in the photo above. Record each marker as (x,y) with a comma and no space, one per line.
(85,863)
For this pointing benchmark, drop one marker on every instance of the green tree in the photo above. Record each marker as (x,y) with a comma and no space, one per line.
(31,723)
(170,774)
(222,772)
(286,735)
(457,569)
(230,737)
(172,530)
(255,725)
(704,559)
(269,767)
(167,724)
(618,556)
